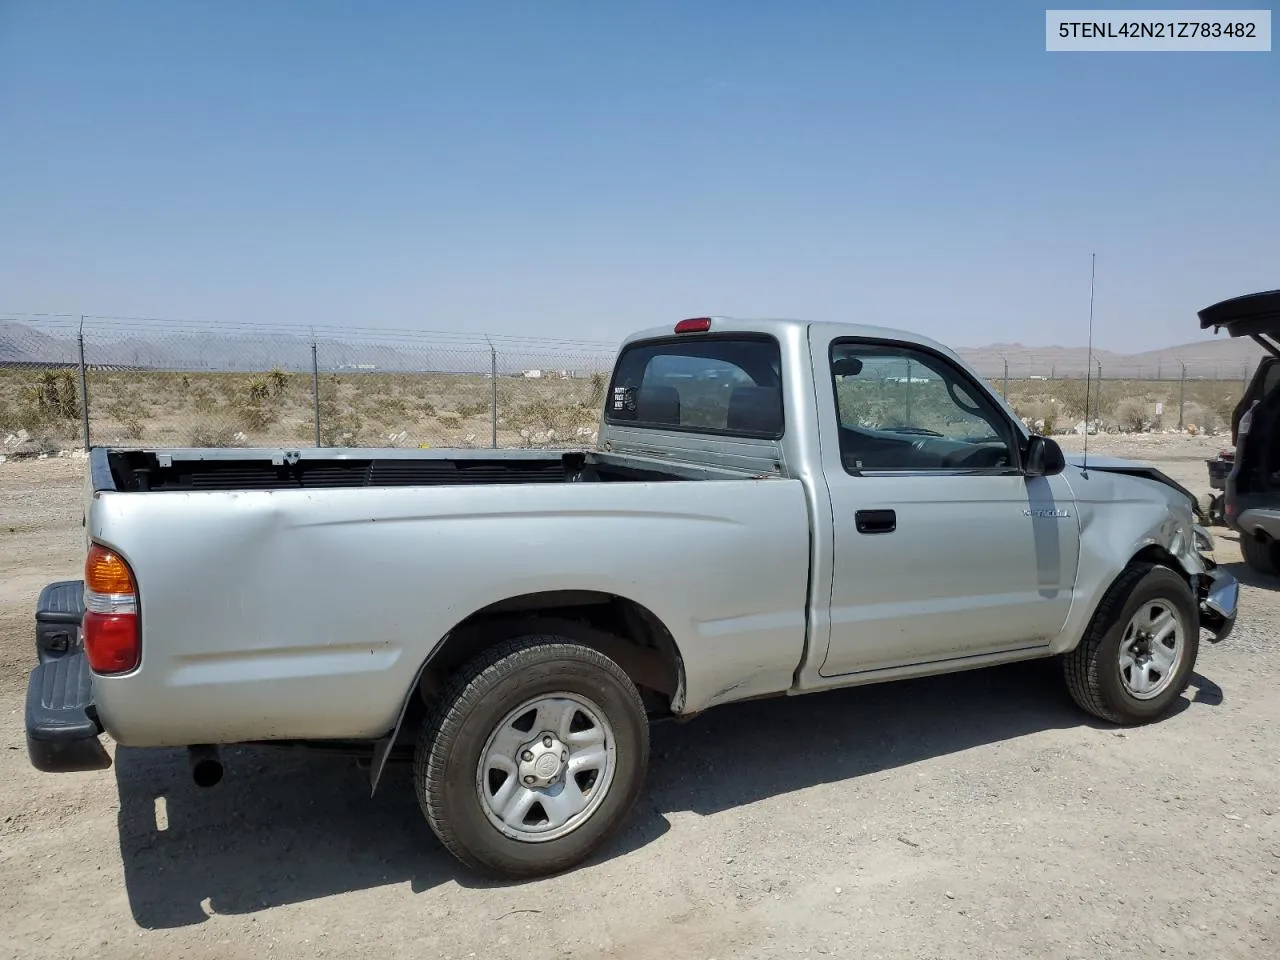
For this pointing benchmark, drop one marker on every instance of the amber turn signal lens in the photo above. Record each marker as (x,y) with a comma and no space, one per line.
(104,572)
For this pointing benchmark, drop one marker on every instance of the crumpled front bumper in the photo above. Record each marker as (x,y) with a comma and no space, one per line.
(1219,596)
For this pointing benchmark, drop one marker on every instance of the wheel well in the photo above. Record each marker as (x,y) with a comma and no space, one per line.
(621,629)
(1154,553)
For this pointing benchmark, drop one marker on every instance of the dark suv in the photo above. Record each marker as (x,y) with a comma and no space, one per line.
(1252,494)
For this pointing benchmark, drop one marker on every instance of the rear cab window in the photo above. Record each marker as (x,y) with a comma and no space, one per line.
(722,384)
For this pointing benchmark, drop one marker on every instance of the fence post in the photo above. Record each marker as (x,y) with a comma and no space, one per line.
(1006,375)
(315,388)
(908,391)
(84,388)
(493,400)
(1182,392)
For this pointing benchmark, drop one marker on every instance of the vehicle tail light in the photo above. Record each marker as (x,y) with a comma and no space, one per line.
(1246,420)
(694,325)
(111,637)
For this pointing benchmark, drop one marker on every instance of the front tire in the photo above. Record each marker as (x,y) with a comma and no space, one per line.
(1137,655)
(533,758)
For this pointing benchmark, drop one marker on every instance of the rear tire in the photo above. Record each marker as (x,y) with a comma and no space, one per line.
(1259,555)
(533,758)
(1126,669)
(1218,510)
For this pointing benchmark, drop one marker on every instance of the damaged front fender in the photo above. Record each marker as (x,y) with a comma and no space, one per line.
(1129,512)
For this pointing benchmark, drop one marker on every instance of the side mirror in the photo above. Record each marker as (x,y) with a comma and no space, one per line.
(1044,457)
(846,366)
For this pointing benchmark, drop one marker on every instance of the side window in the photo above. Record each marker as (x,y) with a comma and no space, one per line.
(904,409)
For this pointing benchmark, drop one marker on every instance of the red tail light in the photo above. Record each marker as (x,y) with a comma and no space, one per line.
(112,642)
(694,325)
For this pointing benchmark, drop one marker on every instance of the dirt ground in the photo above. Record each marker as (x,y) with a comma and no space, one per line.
(976,815)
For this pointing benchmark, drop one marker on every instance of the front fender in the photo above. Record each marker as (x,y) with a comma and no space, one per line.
(1124,518)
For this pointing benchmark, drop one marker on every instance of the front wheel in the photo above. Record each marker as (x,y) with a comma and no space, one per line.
(1137,655)
(533,758)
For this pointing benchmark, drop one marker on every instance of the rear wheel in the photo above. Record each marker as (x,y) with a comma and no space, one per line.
(1138,653)
(1218,510)
(1259,555)
(533,758)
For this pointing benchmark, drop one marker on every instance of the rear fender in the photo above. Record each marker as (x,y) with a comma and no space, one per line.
(647,666)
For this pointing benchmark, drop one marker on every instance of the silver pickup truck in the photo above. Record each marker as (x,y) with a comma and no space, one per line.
(773,508)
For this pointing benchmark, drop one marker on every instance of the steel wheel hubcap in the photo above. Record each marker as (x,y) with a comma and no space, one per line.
(546,767)
(1151,649)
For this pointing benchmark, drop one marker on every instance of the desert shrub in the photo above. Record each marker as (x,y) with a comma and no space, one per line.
(389,409)
(255,416)
(125,408)
(1033,410)
(51,396)
(472,408)
(202,398)
(596,386)
(259,390)
(339,424)
(277,381)
(1131,415)
(1070,395)
(1223,404)
(258,407)
(1201,417)
(210,434)
(537,413)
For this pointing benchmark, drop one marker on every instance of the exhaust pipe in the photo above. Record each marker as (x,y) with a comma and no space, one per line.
(206,765)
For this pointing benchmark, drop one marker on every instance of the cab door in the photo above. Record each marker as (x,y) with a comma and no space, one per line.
(944,548)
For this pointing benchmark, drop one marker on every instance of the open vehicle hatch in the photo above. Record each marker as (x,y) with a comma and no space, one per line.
(1257,316)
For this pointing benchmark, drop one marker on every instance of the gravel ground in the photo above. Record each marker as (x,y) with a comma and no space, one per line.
(978,814)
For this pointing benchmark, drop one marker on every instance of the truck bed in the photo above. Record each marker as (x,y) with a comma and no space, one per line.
(293,595)
(278,469)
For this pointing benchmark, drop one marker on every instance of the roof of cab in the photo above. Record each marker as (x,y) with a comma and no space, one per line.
(776,325)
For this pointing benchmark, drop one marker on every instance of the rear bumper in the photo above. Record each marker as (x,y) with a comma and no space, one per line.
(58,614)
(1251,521)
(63,729)
(62,725)
(1218,603)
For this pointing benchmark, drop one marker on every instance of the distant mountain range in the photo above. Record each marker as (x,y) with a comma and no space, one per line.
(192,350)
(1220,358)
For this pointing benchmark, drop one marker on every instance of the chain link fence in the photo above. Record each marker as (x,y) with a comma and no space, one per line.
(136,383)
(70,381)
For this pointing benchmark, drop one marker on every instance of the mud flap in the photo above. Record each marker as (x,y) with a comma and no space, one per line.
(382,748)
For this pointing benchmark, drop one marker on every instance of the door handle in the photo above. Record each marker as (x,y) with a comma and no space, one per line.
(876,521)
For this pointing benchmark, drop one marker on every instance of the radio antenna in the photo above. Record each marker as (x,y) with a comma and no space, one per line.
(1088,370)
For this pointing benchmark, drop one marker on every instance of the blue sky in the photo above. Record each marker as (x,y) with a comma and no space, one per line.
(581,169)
